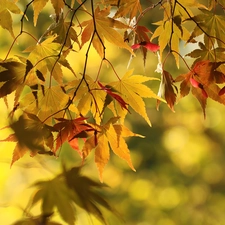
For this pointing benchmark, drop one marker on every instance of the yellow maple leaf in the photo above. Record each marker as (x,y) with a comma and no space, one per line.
(126,7)
(45,57)
(90,100)
(109,136)
(38,5)
(105,28)
(133,91)
(7,7)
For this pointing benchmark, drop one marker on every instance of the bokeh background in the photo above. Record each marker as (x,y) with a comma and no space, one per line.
(180,163)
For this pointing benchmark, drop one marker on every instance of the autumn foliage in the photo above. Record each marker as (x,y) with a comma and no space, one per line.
(89,111)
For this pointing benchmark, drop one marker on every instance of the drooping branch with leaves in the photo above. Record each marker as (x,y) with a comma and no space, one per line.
(88,110)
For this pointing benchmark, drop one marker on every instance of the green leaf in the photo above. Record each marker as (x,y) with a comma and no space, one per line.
(54,193)
(87,193)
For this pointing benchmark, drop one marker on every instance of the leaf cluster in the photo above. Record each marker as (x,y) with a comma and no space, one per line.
(73,191)
(89,109)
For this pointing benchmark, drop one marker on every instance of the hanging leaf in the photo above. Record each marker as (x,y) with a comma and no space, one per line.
(105,31)
(31,135)
(71,130)
(167,90)
(109,136)
(133,91)
(88,193)
(6,8)
(55,193)
(202,80)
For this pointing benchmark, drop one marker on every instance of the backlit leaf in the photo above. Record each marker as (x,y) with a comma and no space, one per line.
(71,130)
(31,135)
(105,26)
(126,8)
(38,5)
(133,91)
(109,136)
(48,102)
(202,80)
(7,7)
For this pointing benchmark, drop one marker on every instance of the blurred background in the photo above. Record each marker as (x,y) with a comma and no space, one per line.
(179,178)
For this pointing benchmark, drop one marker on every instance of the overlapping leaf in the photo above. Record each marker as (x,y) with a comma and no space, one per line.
(38,6)
(90,100)
(203,80)
(65,32)
(205,22)
(167,90)
(46,103)
(30,135)
(45,57)
(15,74)
(55,194)
(105,27)
(7,7)
(207,51)
(126,8)
(168,37)
(87,193)
(71,130)
(109,136)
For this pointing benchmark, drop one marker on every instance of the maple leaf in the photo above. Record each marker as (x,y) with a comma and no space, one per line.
(89,99)
(45,102)
(87,193)
(148,45)
(14,75)
(31,135)
(111,95)
(126,8)
(109,135)
(105,27)
(64,32)
(171,30)
(168,37)
(167,90)
(71,130)
(139,35)
(133,91)
(202,80)
(205,22)
(55,193)
(207,51)
(38,6)
(44,55)
(7,7)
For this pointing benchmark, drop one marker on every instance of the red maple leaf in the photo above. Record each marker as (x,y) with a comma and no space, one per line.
(148,45)
(71,130)
(109,91)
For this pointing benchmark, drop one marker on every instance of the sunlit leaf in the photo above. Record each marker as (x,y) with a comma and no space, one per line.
(71,130)
(126,8)
(203,79)
(6,8)
(104,28)
(133,91)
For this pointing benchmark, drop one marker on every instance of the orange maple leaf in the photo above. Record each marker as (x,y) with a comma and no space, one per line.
(71,130)
(202,80)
